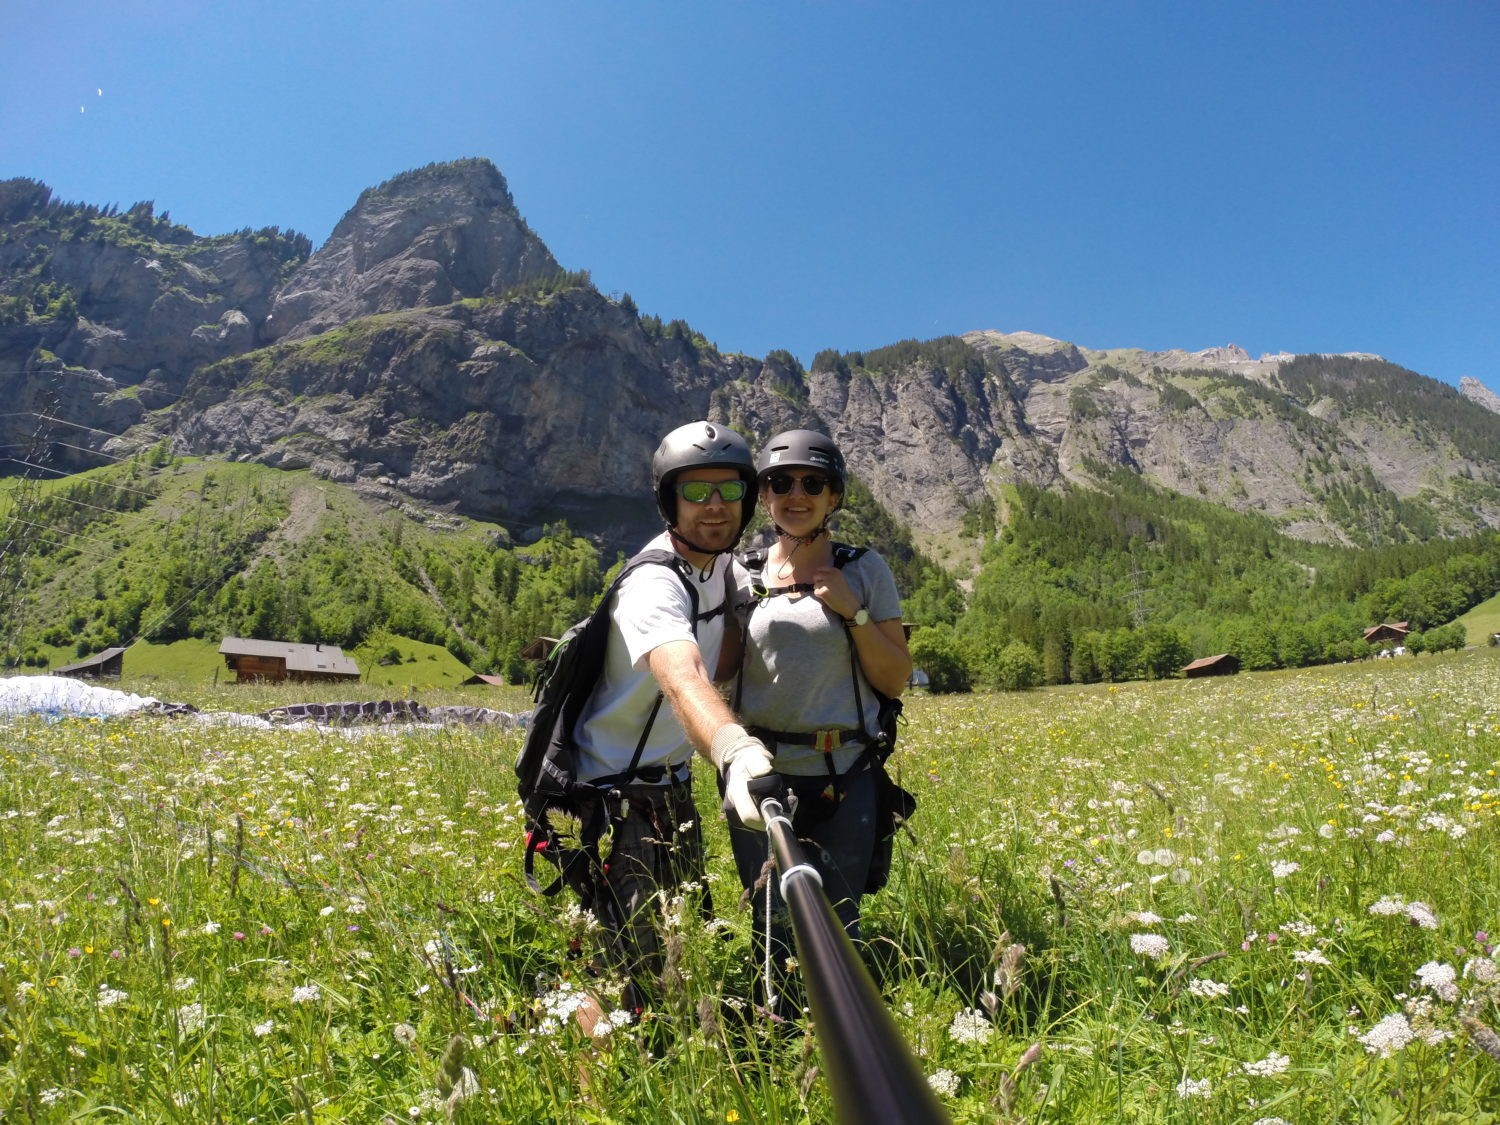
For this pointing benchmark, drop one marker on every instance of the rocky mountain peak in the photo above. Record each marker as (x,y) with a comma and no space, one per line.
(1476,392)
(427,237)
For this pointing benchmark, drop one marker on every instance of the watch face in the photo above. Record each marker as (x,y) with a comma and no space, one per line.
(862,617)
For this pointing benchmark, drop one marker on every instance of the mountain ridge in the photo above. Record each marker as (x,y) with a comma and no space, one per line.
(433,347)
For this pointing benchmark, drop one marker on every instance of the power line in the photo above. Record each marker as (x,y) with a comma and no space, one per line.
(66,537)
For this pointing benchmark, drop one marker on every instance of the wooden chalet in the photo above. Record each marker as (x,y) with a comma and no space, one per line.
(110,662)
(281,660)
(1385,634)
(1225,664)
(481,678)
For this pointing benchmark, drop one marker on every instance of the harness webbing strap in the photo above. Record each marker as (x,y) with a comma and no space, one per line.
(824,740)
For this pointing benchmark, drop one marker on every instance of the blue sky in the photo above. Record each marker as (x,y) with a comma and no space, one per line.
(1283,176)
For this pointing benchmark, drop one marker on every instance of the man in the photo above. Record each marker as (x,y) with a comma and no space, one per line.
(660,649)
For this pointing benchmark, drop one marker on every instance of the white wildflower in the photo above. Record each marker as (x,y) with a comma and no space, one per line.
(970,1026)
(404,1034)
(109,997)
(1388,1036)
(1206,989)
(1270,1065)
(944,1083)
(190,1017)
(1143,917)
(1481,969)
(1422,915)
(1153,946)
(306,993)
(1284,867)
(1309,957)
(263,1029)
(1193,1087)
(614,1021)
(1441,978)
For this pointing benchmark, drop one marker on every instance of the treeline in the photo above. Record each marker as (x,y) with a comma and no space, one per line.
(1392,392)
(1076,587)
(165,552)
(31,217)
(1084,587)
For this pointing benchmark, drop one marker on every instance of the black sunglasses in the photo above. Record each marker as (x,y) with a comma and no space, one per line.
(781,484)
(698,491)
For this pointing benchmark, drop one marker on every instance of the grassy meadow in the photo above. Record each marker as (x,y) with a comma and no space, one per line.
(1483,621)
(1266,898)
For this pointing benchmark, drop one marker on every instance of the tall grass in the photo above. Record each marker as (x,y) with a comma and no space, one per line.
(1261,898)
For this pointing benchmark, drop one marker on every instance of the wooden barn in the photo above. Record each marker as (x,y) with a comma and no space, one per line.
(282,660)
(110,662)
(1225,664)
(482,678)
(1386,634)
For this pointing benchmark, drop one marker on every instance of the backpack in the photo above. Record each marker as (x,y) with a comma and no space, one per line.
(894,806)
(547,767)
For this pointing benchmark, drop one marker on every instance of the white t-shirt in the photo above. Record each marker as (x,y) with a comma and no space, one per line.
(651,608)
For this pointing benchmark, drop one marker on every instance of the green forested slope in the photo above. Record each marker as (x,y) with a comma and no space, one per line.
(1136,581)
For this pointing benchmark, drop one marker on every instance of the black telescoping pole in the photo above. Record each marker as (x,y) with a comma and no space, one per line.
(871,1072)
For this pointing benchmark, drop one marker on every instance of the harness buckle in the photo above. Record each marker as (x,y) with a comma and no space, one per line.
(827,740)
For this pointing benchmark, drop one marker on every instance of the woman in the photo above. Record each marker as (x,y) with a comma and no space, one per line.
(823,644)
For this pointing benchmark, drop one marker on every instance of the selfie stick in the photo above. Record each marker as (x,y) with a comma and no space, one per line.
(872,1075)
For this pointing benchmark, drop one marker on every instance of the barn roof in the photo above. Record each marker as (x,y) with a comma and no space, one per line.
(1210,661)
(97,660)
(299,658)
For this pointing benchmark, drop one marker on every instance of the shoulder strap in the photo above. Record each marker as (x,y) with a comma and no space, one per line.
(755,562)
(843,554)
(683,570)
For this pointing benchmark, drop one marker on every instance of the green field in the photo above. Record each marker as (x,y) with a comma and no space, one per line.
(184,667)
(1483,621)
(1264,898)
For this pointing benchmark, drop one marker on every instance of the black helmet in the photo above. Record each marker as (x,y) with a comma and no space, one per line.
(802,449)
(700,445)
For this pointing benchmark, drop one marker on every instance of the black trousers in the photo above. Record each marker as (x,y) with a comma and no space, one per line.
(656,848)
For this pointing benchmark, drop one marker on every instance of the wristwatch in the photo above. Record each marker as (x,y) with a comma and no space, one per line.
(862,617)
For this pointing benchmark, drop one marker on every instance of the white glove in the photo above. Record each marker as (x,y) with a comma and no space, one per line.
(741,758)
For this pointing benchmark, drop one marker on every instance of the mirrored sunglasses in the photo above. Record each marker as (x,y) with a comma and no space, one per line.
(781,484)
(698,491)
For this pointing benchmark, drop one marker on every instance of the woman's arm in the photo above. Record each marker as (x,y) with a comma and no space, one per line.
(880,645)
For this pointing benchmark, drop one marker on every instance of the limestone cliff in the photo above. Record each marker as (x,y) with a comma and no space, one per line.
(432,348)
(423,238)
